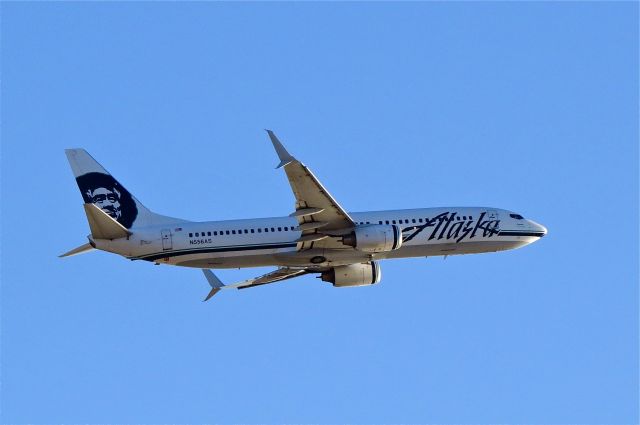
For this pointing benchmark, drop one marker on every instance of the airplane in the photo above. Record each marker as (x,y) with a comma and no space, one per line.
(318,237)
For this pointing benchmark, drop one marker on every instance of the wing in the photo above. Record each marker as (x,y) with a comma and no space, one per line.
(278,275)
(319,215)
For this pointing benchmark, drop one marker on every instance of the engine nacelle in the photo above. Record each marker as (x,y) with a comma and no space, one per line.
(354,274)
(375,238)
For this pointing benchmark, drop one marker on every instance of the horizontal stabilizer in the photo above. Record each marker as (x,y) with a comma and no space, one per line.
(102,225)
(79,250)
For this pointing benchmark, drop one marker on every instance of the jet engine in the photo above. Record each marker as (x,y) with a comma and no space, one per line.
(375,238)
(362,274)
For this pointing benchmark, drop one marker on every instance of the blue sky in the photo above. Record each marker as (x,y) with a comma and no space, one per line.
(531,107)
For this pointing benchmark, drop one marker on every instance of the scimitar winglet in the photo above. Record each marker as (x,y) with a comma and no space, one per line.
(285,157)
(215,283)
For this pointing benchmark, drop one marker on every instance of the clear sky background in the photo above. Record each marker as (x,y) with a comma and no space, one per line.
(531,107)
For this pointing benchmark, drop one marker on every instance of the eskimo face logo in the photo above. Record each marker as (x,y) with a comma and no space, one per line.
(107,200)
(105,192)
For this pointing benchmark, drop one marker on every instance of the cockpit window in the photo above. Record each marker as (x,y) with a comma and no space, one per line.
(516,216)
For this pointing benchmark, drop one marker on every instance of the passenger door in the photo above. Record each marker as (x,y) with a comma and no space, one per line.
(167,242)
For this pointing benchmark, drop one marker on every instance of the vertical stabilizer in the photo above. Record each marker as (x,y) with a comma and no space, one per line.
(98,187)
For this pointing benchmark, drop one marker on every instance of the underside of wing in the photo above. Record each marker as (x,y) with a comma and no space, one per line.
(278,275)
(319,215)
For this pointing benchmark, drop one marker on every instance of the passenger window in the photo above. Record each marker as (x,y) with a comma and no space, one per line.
(197,234)
(387,221)
(286,228)
(246,231)
(215,233)
(251,230)
(393,221)
(227,232)
(279,229)
(190,235)
(273,229)
(259,230)
(420,220)
(413,220)
(266,229)
(380,222)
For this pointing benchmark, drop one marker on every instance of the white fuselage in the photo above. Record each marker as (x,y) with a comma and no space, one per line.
(272,241)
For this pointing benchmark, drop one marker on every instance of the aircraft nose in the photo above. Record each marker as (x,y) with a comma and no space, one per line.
(543,229)
(538,228)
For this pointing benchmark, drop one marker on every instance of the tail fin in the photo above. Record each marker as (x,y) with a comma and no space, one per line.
(98,187)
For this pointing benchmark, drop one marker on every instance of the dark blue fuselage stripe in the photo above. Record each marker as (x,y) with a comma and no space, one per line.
(518,233)
(166,254)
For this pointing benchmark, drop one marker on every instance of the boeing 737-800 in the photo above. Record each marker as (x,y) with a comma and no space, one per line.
(320,237)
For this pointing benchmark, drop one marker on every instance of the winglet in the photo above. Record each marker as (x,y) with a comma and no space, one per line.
(216,284)
(285,157)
